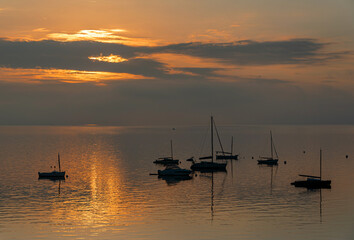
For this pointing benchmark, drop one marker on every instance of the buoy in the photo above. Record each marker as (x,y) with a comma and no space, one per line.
(304,151)
(346,156)
(284,162)
(252,157)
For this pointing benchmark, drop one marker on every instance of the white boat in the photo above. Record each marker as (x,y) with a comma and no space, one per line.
(209,165)
(54,174)
(270,160)
(174,170)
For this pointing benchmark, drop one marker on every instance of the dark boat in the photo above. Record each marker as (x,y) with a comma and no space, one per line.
(313,182)
(167,160)
(227,155)
(173,170)
(191,159)
(54,174)
(270,160)
(207,165)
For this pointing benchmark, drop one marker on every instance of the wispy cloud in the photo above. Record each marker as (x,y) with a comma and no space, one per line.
(37,76)
(40,30)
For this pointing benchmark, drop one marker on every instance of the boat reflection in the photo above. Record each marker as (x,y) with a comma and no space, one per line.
(173,180)
(273,173)
(212,192)
(59,180)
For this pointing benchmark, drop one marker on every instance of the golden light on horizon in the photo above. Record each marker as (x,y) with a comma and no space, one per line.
(96,35)
(38,76)
(111,58)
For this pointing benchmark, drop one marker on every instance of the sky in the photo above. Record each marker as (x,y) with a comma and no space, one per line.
(163,62)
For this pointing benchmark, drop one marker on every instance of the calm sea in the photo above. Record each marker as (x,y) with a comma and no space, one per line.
(109,193)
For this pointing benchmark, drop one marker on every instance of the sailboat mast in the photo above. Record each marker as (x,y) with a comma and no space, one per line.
(320,164)
(212,136)
(232,144)
(171,150)
(59,162)
(271,144)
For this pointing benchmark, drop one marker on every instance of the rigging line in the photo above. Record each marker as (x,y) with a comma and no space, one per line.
(217,134)
(203,144)
(276,153)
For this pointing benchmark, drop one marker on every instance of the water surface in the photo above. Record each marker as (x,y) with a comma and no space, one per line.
(109,193)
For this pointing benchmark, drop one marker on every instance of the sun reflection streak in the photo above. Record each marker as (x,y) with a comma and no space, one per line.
(101,198)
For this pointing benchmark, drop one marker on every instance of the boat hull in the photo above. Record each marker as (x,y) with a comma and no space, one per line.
(173,172)
(268,161)
(208,166)
(167,162)
(51,175)
(312,184)
(227,157)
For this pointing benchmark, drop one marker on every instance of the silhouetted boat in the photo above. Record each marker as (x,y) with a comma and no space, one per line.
(270,160)
(191,159)
(227,155)
(313,181)
(174,170)
(206,165)
(167,160)
(54,174)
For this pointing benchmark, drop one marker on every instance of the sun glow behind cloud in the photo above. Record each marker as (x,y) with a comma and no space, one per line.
(102,35)
(60,75)
(111,58)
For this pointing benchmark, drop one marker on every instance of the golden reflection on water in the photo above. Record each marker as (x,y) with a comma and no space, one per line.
(97,195)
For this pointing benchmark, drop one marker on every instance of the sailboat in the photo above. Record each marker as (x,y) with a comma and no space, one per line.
(313,181)
(270,160)
(167,160)
(54,174)
(206,165)
(227,155)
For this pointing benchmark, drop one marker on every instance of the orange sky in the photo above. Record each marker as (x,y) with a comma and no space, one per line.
(304,44)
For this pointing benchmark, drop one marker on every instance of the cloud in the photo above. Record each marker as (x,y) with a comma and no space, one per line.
(140,60)
(294,51)
(40,30)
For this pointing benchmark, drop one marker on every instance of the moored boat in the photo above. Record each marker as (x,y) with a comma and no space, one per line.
(206,165)
(227,155)
(313,182)
(54,174)
(167,160)
(270,160)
